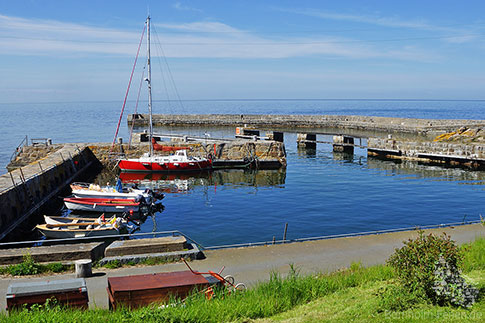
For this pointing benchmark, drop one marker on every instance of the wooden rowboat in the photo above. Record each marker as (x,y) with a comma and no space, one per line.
(76,230)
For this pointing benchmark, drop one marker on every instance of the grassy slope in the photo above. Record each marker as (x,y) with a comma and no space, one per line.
(362,294)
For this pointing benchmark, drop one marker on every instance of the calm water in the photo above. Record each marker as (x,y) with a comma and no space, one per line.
(318,194)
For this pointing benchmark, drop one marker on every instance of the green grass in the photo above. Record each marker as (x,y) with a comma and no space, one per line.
(358,294)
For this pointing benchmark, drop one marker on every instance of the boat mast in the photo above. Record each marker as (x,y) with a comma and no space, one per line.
(149,81)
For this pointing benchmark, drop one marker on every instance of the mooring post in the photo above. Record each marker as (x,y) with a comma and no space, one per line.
(83,268)
(284,234)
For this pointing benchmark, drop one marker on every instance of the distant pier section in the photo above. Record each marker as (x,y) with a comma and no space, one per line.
(368,123)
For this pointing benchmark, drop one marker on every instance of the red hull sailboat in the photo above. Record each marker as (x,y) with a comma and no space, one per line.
(179,162)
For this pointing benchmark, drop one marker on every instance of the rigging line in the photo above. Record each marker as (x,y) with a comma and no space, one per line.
(163,75)
(128,89)
(136,106)
(170,73)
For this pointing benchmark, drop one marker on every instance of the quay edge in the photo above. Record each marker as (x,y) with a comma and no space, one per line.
(370,123)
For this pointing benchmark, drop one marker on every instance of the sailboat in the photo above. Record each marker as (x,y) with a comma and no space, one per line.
(178,162)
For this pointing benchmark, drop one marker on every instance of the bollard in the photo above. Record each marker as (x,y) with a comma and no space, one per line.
(83,268)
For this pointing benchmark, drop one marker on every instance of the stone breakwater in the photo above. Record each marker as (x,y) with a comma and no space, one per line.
(30,154)
(384,124)
(454,154)
(28,190)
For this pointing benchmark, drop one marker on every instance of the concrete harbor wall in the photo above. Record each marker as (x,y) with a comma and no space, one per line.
(446,153)
(24,191)
(386,124)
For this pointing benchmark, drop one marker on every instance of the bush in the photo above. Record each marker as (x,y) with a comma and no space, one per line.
(27,267)
(430,264)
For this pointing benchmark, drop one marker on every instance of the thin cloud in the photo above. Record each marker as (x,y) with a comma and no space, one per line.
(462,34)
(188,40)
(179,6)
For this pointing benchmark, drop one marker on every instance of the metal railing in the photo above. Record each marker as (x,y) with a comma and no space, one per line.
(18,150)
(343,235)
(239,245)
(108,237)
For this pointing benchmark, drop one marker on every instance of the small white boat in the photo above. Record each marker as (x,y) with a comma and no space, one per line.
(68,220)
(81,229)
(90,190)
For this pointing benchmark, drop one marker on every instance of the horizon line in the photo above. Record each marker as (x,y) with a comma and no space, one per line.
(260,99)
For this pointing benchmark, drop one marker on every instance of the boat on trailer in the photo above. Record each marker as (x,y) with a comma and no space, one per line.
(102,204)
(178,162)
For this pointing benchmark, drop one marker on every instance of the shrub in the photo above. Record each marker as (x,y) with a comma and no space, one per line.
(430,264)
(27,267)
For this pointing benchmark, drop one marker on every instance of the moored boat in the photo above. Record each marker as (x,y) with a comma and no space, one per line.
(101,204)
(51,219)
(76,230)
(178,162)
(90,190)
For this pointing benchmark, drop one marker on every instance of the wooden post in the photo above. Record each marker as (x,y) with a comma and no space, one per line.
(83,268)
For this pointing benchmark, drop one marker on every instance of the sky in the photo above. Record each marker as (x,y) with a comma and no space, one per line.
(71,51)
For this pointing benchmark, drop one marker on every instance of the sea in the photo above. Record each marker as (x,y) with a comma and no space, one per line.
(320,193)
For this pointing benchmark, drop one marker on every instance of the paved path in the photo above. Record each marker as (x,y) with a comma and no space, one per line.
(253,264)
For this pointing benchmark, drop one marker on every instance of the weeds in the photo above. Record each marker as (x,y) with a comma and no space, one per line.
(29,267)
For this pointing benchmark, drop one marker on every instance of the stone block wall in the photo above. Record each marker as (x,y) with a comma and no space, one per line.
(27,189)
(385,124)
(455,154)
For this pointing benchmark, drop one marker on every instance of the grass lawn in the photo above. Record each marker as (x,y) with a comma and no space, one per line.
(354,294)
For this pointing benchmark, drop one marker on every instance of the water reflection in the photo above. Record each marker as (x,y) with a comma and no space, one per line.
(183,182)
(419,170)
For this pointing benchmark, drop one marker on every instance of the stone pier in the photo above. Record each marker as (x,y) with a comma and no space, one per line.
(368,123)
(25,190)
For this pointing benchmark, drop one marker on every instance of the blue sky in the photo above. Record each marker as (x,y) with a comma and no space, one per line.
(84,50)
